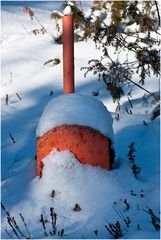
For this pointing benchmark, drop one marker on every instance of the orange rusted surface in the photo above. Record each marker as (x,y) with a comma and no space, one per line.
(88,145)
(68,54)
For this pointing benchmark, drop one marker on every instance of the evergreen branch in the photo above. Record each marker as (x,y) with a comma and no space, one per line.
(143,89)
(5,229)
(156,4)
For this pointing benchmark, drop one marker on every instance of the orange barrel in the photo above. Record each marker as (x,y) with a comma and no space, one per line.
(80,124)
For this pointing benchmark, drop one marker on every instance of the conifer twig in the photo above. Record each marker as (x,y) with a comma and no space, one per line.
(156,4)
(5,229)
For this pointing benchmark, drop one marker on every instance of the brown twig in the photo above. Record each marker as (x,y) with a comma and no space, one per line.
(18,96)
(40,23)
(53,220)
(43,224)
(7,99)
(12,138)
(25,29)
(23,220)
(11,77)
(130,102)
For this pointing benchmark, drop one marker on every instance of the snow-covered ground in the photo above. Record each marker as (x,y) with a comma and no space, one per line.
(103,196)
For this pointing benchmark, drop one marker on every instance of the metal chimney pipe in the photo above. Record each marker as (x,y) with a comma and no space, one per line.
(68,54)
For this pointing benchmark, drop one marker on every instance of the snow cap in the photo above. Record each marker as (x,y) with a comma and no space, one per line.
(76,109)
(67,10)
(70,3)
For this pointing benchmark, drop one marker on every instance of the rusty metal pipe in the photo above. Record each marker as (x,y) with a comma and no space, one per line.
(68,54)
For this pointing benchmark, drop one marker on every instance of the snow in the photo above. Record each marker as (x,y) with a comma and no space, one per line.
(100,14)
(70,3)
(100,193)
(76,109)
(67,10)
(72,184)
(87,14)
(146,56)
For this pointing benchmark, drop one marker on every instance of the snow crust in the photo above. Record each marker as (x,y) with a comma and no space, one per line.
(76,109)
